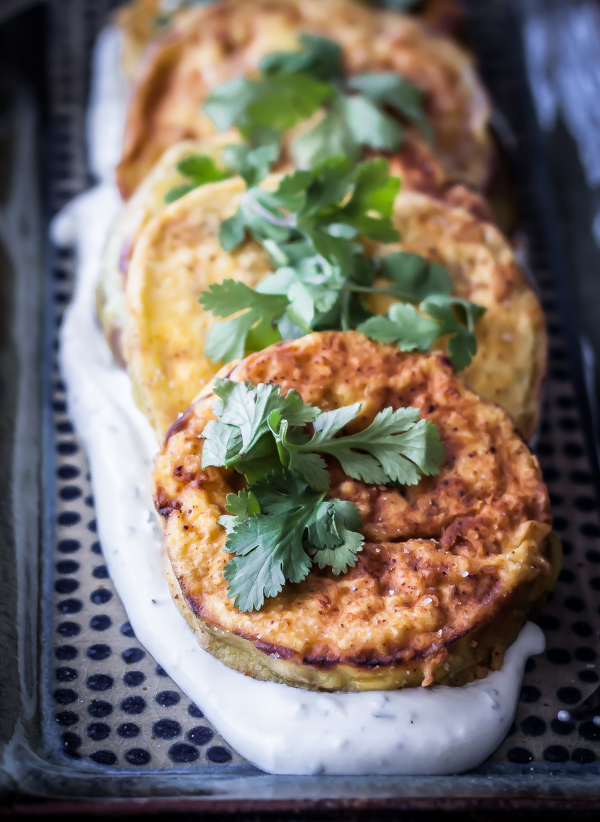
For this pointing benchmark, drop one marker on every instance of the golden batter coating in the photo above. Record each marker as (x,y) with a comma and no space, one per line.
(450,568)
(178,255)
(213,43)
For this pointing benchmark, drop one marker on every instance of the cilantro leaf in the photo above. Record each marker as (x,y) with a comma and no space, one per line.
(396,447)
(200,170)
(269,546)
(333,535)
(319,56)
(311,467)
(310,226)
(220,443)
(253,160)
(282,491)
(229,101)
(371,206)
(330,137)
(396,92)
(230,296)
(232,231)
(457,319)
(311,289)
(437,316)
(329,518)
(240,436)
(228,341)
(417,277)
(405,326)
(240,506)
(276,101)
(268,550)
(256,422)
(370,126)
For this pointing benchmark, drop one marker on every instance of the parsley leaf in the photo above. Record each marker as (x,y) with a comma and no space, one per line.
(200,170)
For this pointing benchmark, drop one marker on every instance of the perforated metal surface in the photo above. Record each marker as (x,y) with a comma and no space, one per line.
(110,704)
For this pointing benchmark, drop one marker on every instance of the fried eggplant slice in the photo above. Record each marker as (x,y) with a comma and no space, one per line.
(450,568)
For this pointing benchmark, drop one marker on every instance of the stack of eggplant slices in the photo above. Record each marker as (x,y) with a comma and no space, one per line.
(312,290)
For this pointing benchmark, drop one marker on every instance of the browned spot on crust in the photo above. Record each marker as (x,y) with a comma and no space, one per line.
(276,651)
(164,504)
(179,425)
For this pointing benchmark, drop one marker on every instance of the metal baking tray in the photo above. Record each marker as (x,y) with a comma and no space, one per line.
(86,713)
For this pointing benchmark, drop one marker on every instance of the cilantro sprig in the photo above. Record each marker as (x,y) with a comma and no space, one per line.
(283,521)
(365,111)
(315,223)
(313,227)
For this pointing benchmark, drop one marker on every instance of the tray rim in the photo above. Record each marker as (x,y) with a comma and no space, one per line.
(567,786)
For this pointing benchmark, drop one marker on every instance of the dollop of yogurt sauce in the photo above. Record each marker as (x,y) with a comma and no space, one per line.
(280,729)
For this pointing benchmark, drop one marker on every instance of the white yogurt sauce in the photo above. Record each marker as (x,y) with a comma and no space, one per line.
(281,729)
